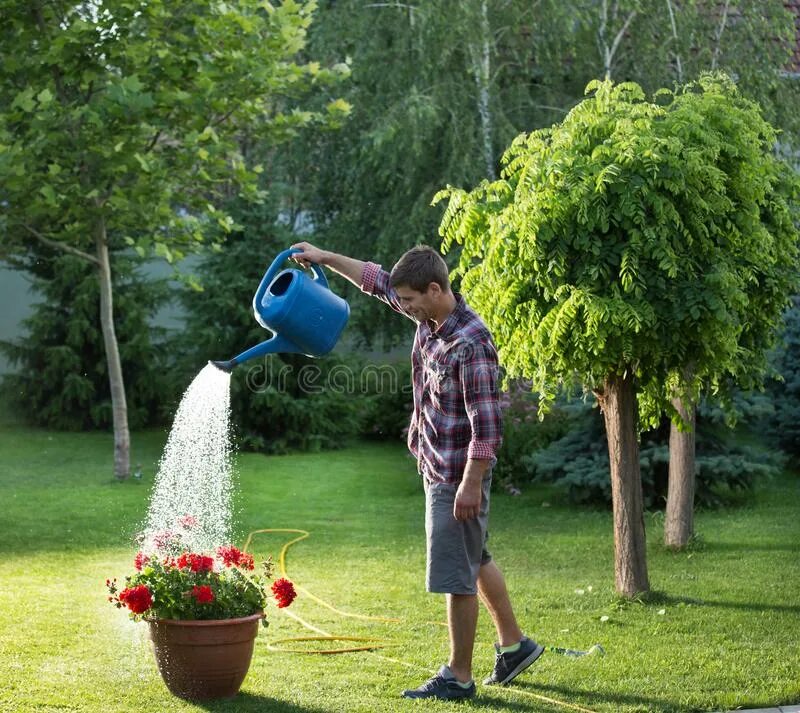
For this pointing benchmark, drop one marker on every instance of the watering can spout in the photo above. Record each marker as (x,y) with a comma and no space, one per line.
(276,345)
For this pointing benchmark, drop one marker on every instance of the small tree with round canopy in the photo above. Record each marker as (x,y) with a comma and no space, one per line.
(642,248)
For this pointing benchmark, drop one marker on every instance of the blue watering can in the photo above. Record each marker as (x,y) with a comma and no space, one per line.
(303,314)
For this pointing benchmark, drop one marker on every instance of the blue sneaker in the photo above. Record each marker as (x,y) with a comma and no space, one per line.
(443,686)
(508,666)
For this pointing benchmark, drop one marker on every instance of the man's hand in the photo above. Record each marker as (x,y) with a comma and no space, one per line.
(310,254)
(468,500)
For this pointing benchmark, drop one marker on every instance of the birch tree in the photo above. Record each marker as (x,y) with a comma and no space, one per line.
(121,128)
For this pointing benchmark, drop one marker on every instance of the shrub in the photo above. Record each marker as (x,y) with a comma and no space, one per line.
(725,463)
(62,380)
(784,422)
(523,432)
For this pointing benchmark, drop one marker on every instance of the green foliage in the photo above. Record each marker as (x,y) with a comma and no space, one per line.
(138,114)
(634,236)
(62,377)
(417,127)
(524,433)
(785,419)
(388,398)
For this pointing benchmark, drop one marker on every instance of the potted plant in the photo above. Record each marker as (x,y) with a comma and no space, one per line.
(203,610)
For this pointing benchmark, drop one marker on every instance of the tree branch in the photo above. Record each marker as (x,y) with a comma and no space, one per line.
(618,39)
(61,246)
(718,35)
(678,64)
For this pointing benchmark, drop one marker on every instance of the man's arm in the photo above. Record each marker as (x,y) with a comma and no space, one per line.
(479,374)
(348,267)
(367,276)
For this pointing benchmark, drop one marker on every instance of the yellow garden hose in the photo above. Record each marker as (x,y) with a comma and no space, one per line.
(326,636)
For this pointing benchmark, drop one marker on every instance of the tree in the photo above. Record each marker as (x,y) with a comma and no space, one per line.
(618,247)
(659,43)
(463,81)
(125,122)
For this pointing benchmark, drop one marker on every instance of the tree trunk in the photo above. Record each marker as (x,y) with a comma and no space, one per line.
(122,440)
(679,520)
(481,68)
(618,402)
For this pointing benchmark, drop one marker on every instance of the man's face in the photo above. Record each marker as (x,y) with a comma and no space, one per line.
(420,305)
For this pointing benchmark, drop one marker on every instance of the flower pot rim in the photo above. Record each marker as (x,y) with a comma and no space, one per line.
(207,622)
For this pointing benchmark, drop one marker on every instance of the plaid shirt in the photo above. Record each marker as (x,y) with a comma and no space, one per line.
(454,372)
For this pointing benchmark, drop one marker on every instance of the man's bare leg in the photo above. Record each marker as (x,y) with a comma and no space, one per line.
(462,621)
(494,594)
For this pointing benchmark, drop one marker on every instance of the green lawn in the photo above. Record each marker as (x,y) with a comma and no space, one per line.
(722,634)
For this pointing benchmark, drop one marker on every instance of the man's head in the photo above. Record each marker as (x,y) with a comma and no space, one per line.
(421,280)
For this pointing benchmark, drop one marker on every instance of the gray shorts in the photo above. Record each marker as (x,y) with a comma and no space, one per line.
(456,550)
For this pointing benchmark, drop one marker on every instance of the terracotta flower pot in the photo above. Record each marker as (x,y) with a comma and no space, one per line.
(201,660)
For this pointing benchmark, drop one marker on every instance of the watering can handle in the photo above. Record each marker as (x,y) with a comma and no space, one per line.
(273,269)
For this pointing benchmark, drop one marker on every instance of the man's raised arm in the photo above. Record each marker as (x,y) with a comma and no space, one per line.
(347,267)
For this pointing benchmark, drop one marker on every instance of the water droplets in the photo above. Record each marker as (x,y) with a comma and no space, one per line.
(190,505)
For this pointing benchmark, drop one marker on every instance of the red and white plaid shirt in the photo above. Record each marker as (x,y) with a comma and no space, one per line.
(454,371)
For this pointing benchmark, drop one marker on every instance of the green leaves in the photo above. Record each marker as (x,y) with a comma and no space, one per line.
(633,235)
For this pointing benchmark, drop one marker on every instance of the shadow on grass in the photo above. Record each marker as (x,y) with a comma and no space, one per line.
(251,703)
(741,606)
(591,698)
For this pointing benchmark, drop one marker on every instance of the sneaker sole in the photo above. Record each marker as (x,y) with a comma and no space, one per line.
(531,658)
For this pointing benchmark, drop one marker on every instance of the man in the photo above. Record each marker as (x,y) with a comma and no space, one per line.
(454,434)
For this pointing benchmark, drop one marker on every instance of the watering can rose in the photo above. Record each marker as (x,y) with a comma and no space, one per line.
(192,586)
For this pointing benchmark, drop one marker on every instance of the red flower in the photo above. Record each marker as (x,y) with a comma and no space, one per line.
(230,555)
(140,561)
(138,599)
(246,561)
(234,556)
(203,594)
(284,592)
(197,563)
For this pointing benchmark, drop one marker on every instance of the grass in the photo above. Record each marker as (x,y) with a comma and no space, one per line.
(720,633)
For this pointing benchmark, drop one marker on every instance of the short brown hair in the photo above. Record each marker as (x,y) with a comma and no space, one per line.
(418,267)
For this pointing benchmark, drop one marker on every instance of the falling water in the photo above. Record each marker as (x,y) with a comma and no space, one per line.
(190,505)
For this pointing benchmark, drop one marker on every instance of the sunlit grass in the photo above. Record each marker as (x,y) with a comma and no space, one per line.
(720,632)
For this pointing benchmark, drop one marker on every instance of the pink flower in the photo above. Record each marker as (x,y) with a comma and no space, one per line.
(187,522)
(140,561)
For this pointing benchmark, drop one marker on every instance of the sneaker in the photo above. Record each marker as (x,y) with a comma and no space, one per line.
(508,666)
(444,686)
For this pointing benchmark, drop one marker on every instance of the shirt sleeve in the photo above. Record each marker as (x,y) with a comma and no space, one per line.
(375,282)
(479,374)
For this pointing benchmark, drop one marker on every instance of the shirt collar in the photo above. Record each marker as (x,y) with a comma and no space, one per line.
(448,328)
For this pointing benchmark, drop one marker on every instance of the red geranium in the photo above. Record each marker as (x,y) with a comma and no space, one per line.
(138,599)
(197,563)
(284,592)
(203,594)
(187,585)
(233,556)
